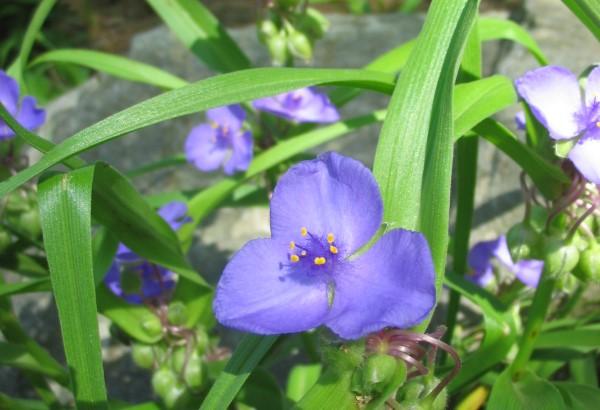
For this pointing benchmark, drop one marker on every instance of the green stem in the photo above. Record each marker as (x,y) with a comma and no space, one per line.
(537,314)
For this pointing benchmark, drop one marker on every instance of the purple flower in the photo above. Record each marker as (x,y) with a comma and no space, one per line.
(303,105)
(135,279)
(308,274)
(26,113)
(556,101)
(221,142)
(482,255)
(520,120)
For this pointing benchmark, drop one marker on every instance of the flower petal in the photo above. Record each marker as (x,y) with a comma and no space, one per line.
(392,284)
(30,117)
(204,149)
(257,294)
(9,93)
(585,154)
(520,120)
(592,89)
(302,105)
(529,271)
(175,214)
(554,97)
(330,194)
(230,117)
(242,153)
(480,261)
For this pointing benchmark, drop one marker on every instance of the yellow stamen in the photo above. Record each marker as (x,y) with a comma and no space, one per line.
(294,258)
(303,231)
(330,238)
(598,124)
(333,249)
(214,124)
(292,245)
(303,253)
(320,260)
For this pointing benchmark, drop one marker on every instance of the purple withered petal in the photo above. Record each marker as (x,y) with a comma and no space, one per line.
(29,116)
(391,284)
(230,117)
(585,154)
(241,156)
(331,194)
(520,120)
(9,93)
(204,149)
(259,293)
(592,88)
(554,97)
(175,214)
(303,105)
(529,271)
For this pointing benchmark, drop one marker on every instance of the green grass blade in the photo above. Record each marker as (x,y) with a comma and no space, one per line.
(202,33)
(588,12)
(213,92)
(36,285)
(35,25)
(66,209)
(115,65)
(16,355)
(245,358)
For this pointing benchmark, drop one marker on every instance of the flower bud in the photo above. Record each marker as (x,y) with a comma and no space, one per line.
(202,341)
(559,256)
(163,381)
(278,50)
(299,45)
(5,240)
(266,29)
(588,268)
(17,201)
(176,396)
(177,314)
(143,355)
(313,23)
(151,324)
(194,373)
(378,370)
(178,359)
(29,222)
(559,224)
(522,241)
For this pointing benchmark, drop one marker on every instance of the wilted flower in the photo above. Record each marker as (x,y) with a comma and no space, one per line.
(221,142)
(308,273)
(303,105)
(482,254)
(26,113)
(556,101)
(136,279)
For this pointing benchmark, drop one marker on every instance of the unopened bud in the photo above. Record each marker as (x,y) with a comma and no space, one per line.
(588,268)
(143,355)
(266,29)
(313,23)
(5,240)
(202,341)
(177,314)
(522,241)
(151,324)
(178,359)
(278,50)
(176,396)
(299,45)
(163,381)
(29,222)
(559,256)
(378,370)
(194,373)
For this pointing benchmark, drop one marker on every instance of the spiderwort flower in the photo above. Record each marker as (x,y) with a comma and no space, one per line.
(26,113)
(221,142)
(520,120)
(135,279)
(307,274)
(480,259)
(303,105)
(555,99)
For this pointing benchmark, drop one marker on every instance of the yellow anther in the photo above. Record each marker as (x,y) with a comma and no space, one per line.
(214,124)
(294,258)
(303,231)
(303,253)
(333,249)
(320,260)
(292,245)
(598,124)
(330,238)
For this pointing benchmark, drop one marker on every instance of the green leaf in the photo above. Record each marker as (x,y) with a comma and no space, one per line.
(213,92)
(583,371)
(501,29)
(104,248)
(528,392)
(248,353)
(588,12)
(578,396)
(332,391)
(198,301)
(112,64)
(581,337)
(547,178)
(301,379)
(36,285)
(261,391)
(33,29)
(202,33)
(65,209)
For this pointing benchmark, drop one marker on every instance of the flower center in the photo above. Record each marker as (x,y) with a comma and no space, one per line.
(314,252)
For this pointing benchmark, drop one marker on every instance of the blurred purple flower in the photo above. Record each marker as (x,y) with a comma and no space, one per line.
(221,142)
(304,276)
(555,99)
(26,113)
(520,120)
(482,255)
(303,105)
(135,279)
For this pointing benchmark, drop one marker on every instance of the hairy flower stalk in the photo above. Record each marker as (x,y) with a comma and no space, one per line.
(416,350)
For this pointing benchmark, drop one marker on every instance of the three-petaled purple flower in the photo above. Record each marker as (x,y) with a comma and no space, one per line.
(303,105)
(555,99)
(26,113)
(221,142)
(481,259)
(136,279)
(308,273)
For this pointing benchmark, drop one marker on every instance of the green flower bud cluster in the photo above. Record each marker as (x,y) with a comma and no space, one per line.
(288,32)
(20,217)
